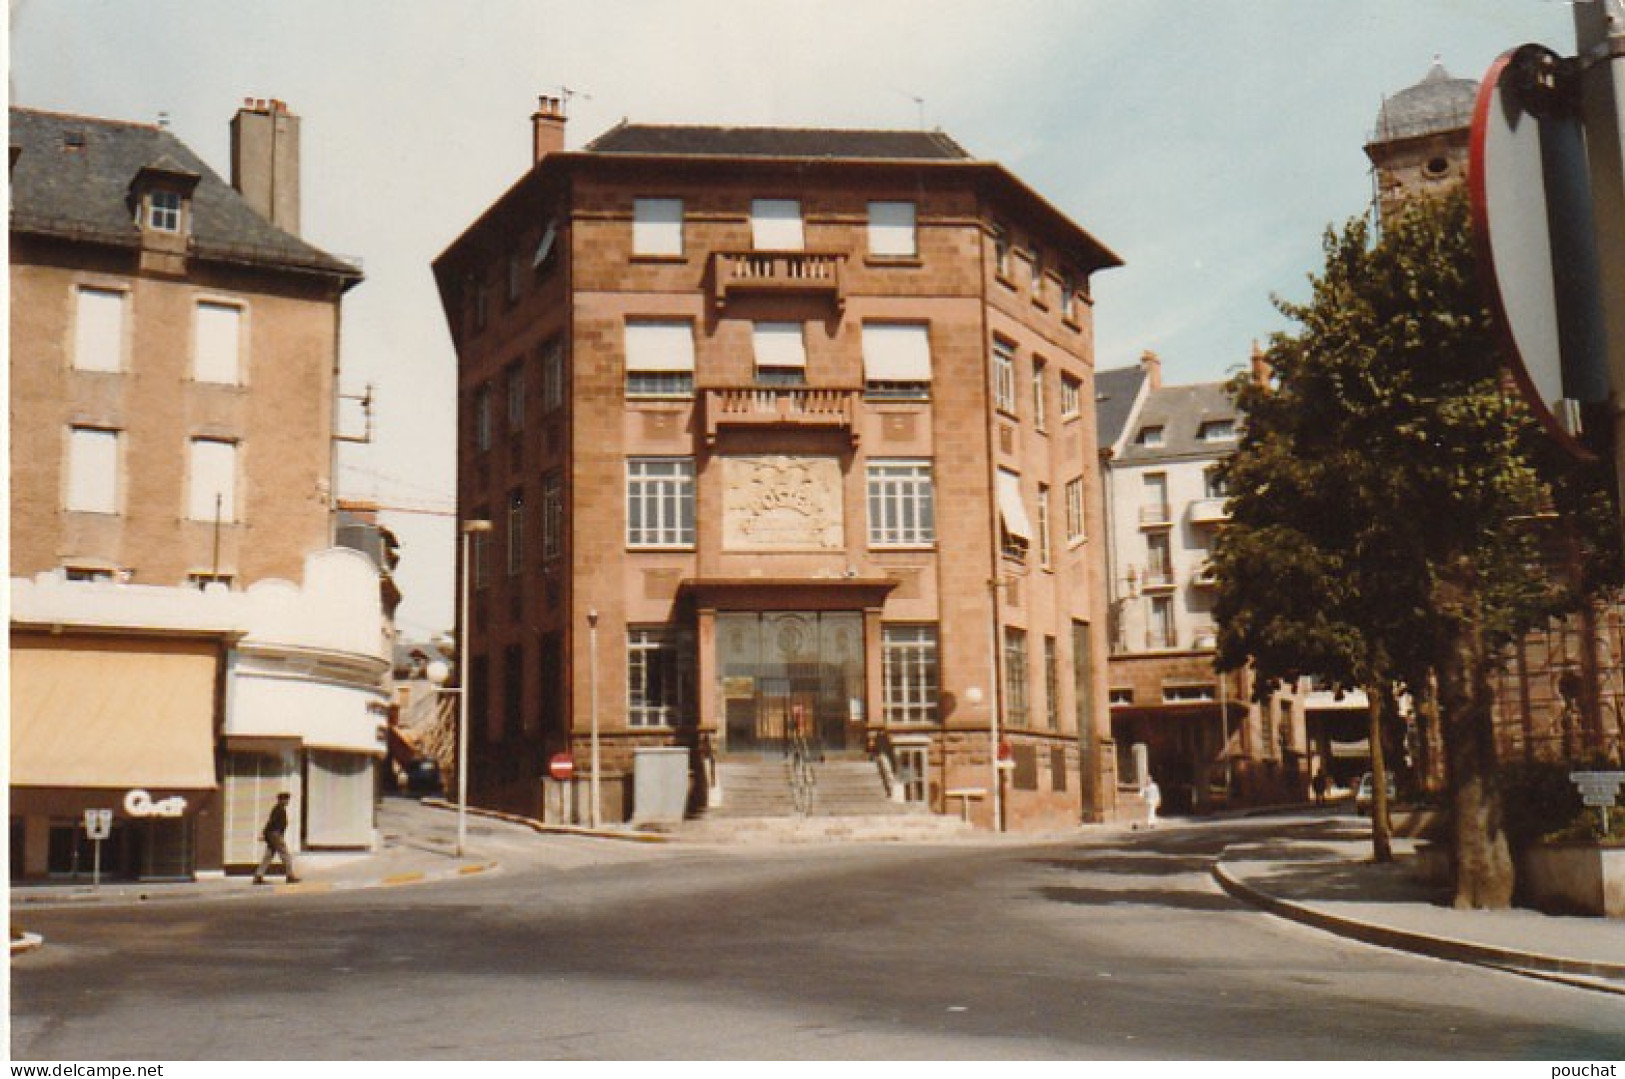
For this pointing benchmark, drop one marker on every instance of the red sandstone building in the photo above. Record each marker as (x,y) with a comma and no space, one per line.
(783,432)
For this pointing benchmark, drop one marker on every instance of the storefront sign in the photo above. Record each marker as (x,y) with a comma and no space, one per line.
(139,803)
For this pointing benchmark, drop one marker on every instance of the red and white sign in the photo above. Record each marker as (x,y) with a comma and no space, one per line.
(561,766)
(1531,213)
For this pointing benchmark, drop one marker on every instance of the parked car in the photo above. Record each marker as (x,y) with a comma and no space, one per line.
(423,776)
(1366,793)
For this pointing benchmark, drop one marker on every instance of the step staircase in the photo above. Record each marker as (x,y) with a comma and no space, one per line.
(849,802)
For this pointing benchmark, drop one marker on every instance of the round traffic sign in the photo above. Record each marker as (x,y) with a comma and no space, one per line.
(561,766)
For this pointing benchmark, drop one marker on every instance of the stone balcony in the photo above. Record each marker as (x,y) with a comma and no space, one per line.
(736,273)
(1210,511)
(780,406)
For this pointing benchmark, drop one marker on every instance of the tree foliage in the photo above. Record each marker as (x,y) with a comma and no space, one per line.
(1382,499)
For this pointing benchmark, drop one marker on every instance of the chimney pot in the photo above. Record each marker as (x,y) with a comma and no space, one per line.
(546,128)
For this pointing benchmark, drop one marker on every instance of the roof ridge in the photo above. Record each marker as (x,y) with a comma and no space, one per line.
(107,120)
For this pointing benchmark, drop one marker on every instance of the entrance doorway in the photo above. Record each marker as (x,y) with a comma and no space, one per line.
(787,672)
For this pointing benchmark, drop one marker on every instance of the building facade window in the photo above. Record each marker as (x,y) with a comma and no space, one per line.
(892,231)
(1149,436)
(516,532)
(775,225)
(659,358)
(1001,251)
(1069,299)
(516,276)
(1217,431)
(213,477)
(480,305)
(482,418)
(1042,506)
(217,344)
(515,393)
(1052,685)
(1015,528)
(1071,397)
(1035,283)
(1158,561)
(164,211)
(552,376)
(1213,483)
(660,502)
(781,353)
(908,657)
(552,516)
(1016,710)
(897,360)
(1154,503)
(93,470)
(659,677)
(902,504)
(1160,630)
(98,330)
(657,227)
(480,552)
(1074,510)
(1040,411)
(1004,376)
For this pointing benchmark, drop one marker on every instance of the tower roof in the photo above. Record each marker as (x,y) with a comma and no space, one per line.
(1439,102)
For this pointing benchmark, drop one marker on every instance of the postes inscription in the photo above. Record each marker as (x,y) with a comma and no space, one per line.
(781,504)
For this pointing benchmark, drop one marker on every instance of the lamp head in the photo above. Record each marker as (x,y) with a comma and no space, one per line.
(437,672)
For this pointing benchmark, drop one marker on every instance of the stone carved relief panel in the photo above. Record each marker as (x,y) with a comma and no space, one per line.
(782,504)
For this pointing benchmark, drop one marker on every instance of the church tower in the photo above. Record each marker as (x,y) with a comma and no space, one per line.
(1420,146)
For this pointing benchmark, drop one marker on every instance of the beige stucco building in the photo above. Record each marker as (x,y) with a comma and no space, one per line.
(174,363)
(784,433)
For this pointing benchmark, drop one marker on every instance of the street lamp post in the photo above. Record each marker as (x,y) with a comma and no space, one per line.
(592,691)
(438,674)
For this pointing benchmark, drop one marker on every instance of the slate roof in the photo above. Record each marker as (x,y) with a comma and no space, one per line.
(783,142)
(1181,411)
(1437,103)
(72,178)
(1115,393)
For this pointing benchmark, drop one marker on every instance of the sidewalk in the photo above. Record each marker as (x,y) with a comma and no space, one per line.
(418,844)
(1320,873)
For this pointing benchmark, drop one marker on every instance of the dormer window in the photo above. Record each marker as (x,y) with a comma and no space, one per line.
(1150,436)
(164,211)
(161,196)
(1218,431)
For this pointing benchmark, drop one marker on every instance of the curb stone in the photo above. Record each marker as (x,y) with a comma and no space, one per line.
(1574,972)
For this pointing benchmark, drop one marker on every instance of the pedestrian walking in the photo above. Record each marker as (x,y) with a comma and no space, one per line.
(1151,794)
(275,835)
(1320,783)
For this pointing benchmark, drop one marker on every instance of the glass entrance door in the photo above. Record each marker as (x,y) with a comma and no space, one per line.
(788,671)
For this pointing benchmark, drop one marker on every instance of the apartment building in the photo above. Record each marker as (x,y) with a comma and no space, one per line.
(785,435)
(174,364)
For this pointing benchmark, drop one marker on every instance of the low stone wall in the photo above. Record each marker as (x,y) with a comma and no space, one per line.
(1573,878)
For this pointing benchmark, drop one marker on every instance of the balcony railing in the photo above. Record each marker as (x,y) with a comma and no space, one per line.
(815,272)
(767,406)
(1155,516)
(1206,511)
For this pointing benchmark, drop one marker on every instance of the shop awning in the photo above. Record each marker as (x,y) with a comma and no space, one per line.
(95,711)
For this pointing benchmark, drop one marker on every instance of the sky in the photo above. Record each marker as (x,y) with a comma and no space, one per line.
(1209,144)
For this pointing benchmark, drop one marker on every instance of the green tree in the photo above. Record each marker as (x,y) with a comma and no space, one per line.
(1381,500)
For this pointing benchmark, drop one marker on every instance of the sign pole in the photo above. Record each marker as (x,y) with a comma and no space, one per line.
(1599,30)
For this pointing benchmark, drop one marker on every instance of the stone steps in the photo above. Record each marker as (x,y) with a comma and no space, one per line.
(907,827)
(840,789)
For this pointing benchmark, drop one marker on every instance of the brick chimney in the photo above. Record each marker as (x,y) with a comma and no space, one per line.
(1261,368)
(547,127)
(1151,364)
(265,160)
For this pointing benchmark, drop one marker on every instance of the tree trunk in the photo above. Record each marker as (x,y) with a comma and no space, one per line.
(1382,836)
(1484,870)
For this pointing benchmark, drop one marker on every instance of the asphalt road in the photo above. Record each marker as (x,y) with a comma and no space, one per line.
(1113,948)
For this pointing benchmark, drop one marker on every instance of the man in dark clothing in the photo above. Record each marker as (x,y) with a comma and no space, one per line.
(276,843)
